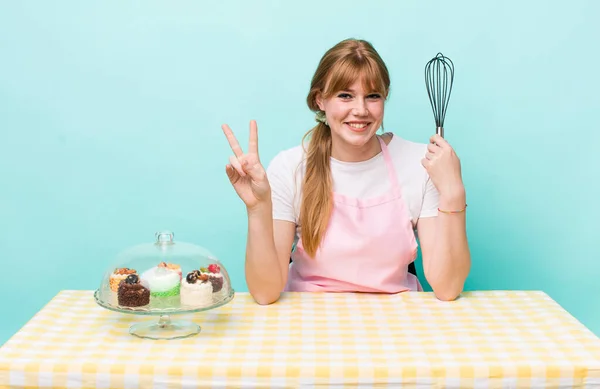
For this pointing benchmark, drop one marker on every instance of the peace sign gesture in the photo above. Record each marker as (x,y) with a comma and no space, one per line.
(245,171)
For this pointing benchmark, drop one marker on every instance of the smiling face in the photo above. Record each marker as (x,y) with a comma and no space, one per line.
(354,115)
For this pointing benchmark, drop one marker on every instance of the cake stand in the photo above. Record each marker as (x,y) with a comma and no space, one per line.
(165,327)
(163,269)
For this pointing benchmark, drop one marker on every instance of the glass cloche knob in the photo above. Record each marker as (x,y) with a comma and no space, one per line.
(164,237)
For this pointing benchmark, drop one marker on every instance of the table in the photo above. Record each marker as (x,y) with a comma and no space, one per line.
(484,339)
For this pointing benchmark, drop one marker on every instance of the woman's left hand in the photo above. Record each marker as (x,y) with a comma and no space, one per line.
(443,166)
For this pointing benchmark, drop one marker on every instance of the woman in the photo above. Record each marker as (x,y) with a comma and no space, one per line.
(350,199)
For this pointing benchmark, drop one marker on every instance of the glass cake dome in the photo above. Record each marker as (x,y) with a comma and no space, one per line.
(164,278)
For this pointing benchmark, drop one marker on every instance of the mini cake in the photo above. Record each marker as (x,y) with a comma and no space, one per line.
(171,266)
(162,281)
(219,296)
(132,293)
(214,276)
(120,274)
(196,290)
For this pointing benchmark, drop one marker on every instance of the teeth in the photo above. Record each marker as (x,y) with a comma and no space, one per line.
(356,125)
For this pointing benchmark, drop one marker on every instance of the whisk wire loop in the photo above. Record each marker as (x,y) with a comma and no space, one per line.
(439,77)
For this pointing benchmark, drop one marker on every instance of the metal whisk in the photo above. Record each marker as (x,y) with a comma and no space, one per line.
(439,76)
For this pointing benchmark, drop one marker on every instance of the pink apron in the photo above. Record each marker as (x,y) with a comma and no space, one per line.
(368,246)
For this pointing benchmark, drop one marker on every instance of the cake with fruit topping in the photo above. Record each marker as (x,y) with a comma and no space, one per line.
(162,281)
(131,292)
(196,290)
(172,266)
(118,275)
(213,271)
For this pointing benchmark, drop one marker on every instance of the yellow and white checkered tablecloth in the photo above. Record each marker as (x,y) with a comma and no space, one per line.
(485,339)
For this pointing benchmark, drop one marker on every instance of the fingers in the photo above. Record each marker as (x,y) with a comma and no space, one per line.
(235,146)
(237,165)
(236,169)
(231,173)
(433,148)
(438,140)
(255,171)
(253,141)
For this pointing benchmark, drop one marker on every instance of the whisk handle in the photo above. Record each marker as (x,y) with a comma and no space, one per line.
(440,131)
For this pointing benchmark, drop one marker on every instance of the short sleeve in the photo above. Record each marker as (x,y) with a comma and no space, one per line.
(429,207)
(281,180)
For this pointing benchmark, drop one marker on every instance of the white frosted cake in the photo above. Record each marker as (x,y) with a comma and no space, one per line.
(162,281)
(196,290)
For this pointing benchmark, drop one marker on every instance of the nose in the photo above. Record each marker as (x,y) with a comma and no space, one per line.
(360,109)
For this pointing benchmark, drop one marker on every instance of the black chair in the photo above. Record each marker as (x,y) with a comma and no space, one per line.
(411,267)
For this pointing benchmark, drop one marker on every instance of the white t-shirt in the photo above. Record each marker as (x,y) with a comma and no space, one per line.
(356,179)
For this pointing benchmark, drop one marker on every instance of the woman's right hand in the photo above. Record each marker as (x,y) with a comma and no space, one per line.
(245,171)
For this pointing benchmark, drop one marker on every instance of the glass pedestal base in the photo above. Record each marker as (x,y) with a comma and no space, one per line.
(164,328)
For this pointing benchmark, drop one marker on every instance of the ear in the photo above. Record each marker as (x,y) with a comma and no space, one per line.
(319,100)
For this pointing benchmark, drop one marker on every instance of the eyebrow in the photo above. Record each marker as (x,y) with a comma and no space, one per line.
(352,91)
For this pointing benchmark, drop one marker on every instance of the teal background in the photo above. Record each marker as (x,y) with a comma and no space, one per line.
(110,117)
